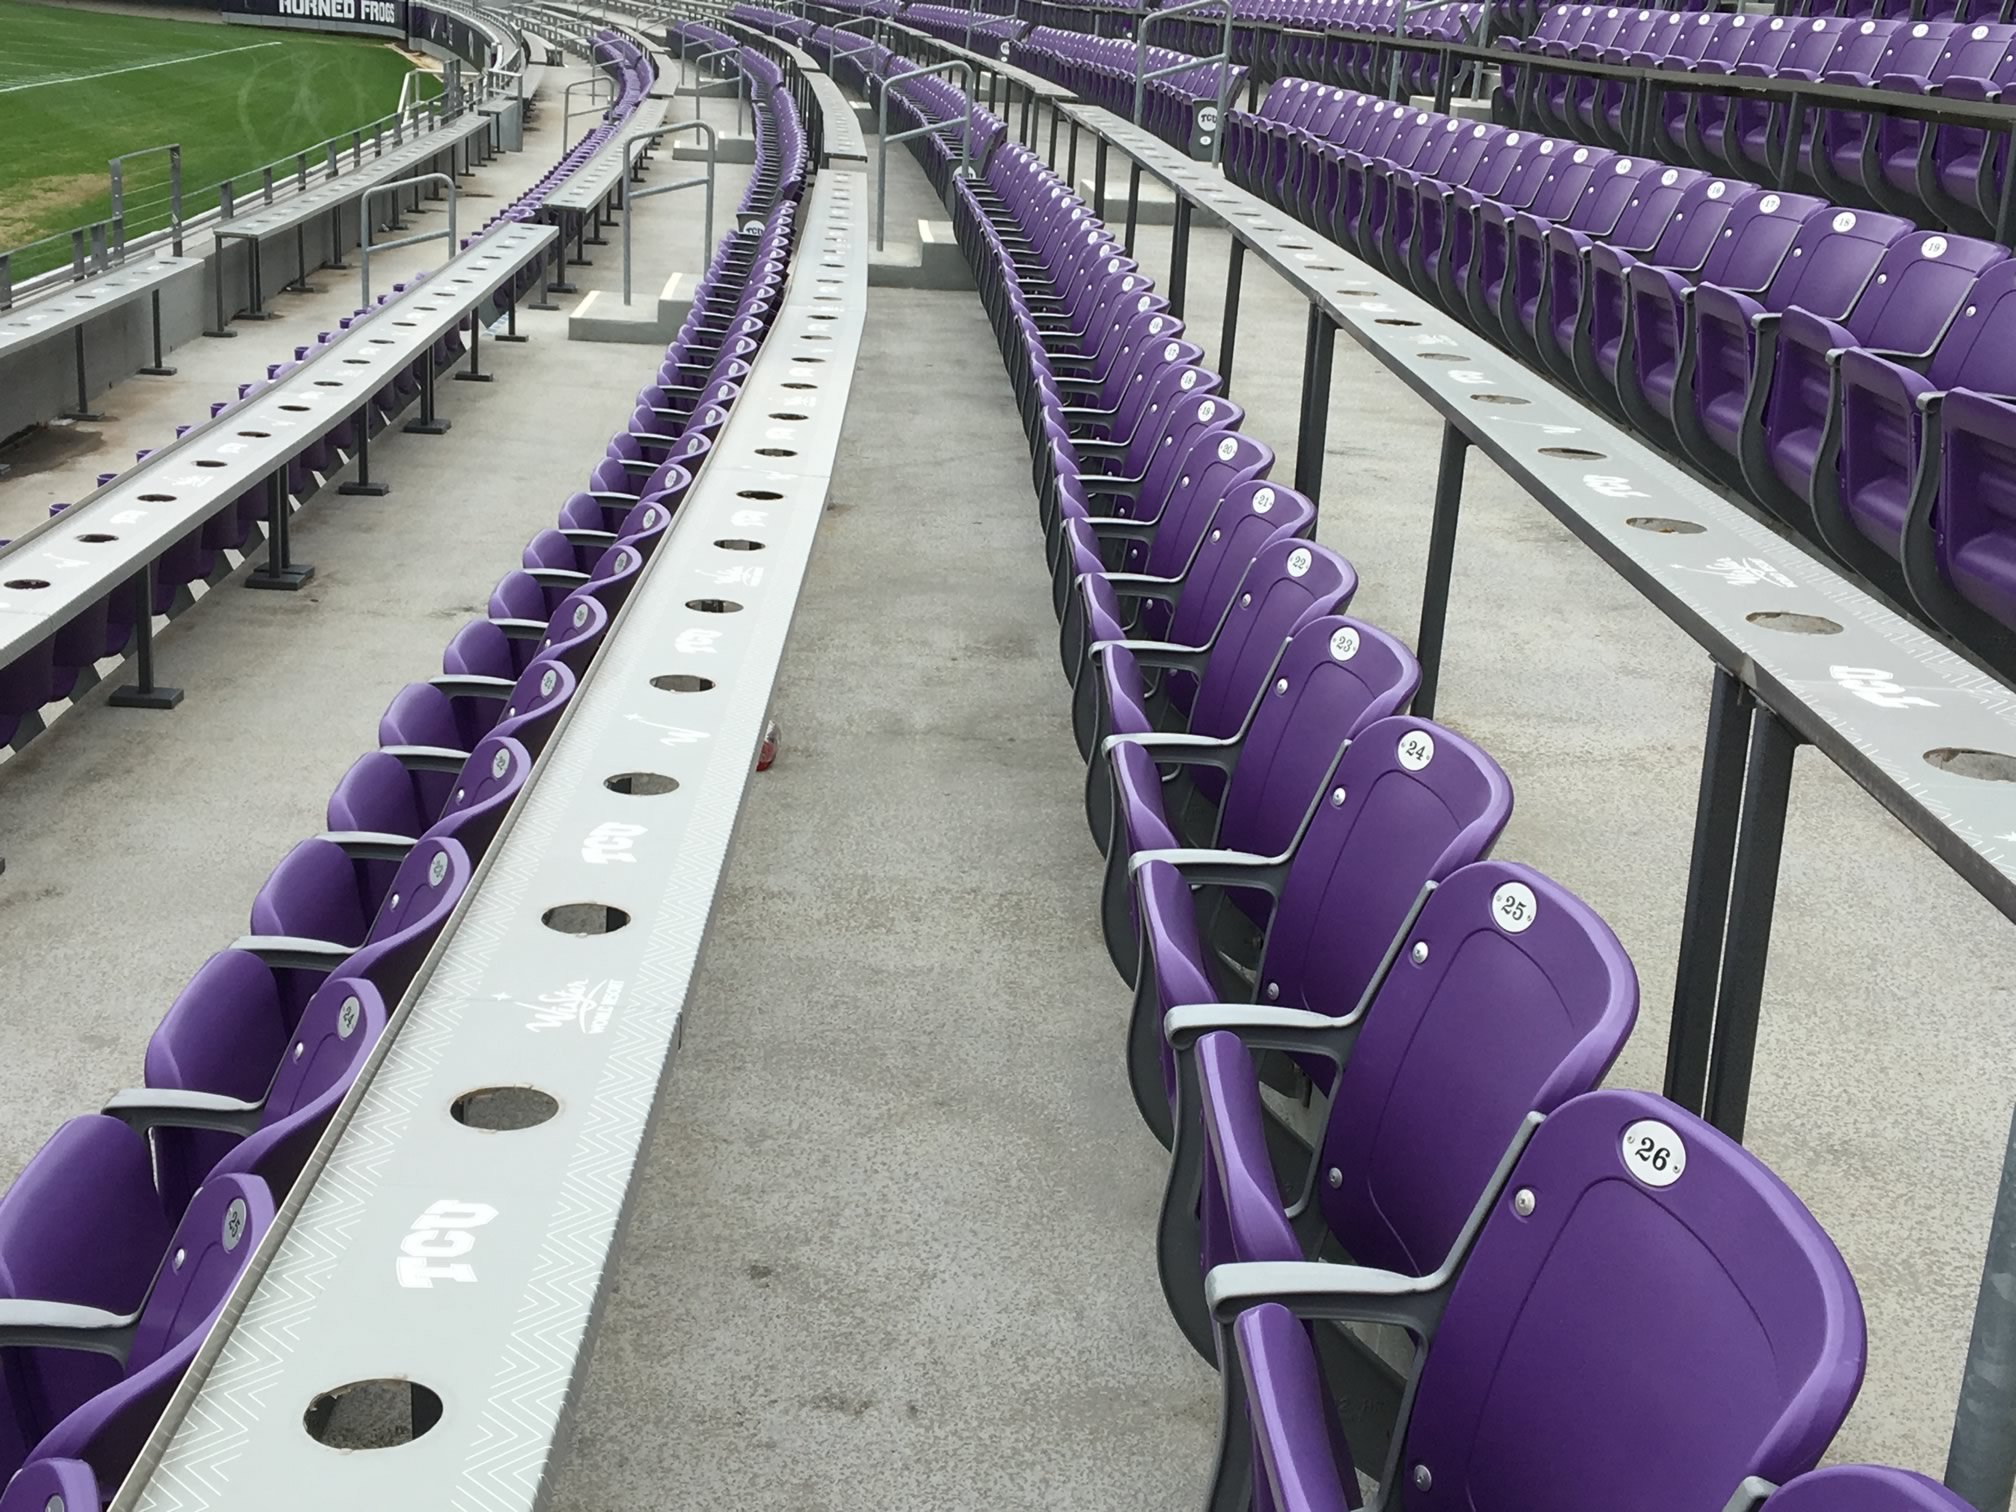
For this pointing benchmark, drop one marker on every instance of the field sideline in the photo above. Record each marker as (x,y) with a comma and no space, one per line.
(80,86)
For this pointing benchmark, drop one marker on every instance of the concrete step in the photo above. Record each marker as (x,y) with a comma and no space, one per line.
(603,316)
(1157,203)
(933,261)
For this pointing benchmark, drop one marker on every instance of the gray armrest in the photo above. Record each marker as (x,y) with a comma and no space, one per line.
(1175,749)
(523,629)
(1159,653)
(1145,585)
(417,758)
(473,685)
(556,577)
(1260,1027)
(370,845)
(1750,1495)
(293,952)
(144,1108)
(63,1325)
(1317,1289)
(1218,868)
(576,536)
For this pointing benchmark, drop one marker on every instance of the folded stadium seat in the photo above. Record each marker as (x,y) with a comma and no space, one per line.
(1687,247)
(1585,104)
(1958,178)
(1758,49)
(311,921)
(1845,151)
(1445,214)
(524,602)
(1555,1368)
(1970,577)
(151,1346)
(1386,234)
(1607,195)
(1344,176)
(1754,245)
(1782,426)
(1663,205)
(1850,1488)
(382,797)
(1207,684)
(1250,790)
(81,1225)
(494,648)
(1510,996)
(228,1091)
(1754,130)
(448,715)
(1825,273)
(1973,64)
(1191,566)
(1407,804)
(26,684)
(1169,451)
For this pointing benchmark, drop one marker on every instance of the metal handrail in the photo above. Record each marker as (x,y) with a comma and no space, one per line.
(741,79)
(883,139)
(1222,61)
(878,25)
(644,139)
(591,84)
(364,243)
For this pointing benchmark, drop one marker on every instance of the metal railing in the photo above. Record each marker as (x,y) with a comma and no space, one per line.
(632,150)
(97,246)
(364,242)
(883,139)
(1221,62)
(592,83)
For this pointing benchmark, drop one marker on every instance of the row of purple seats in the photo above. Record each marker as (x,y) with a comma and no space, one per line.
(1841,367)
(1948,175)
(1100,71)
(65,664)
(178,1179)
(972,29)
(629,67)
(1334,39)
(1614,1304)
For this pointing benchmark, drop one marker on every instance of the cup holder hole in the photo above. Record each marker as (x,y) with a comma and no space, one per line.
(584,919)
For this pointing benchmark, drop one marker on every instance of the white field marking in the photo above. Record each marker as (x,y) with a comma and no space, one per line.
(133,68)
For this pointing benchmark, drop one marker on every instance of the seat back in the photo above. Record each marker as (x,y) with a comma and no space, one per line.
(1520,999)
(210,1247)
(1407,804)
(1975,351)
(1335,676)
(1289,583)
(1832,260)
(315,893)
(1663,1312)
(1920,284)
(81,1224)
(338,1029)
(425,890)
(1756,238)
(378,794)
(225,1033)
(489,783)
(538,700)
(1696,229)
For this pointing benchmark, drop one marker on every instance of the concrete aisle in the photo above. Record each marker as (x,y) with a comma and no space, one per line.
(892,1247)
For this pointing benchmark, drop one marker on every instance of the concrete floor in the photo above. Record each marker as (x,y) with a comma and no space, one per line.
(892,1246)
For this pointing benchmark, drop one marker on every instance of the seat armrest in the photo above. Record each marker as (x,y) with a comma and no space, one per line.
(419,758)
(473,685)
(1898,83)
(1298,1031)
(1217,868)
(1145,585)
(1751,1495)
(1852,78)
(1964,87)
(1176,749)
(1318,1289)
(63,1325)
(557,577)
(1159,653)
(294,953)
(144,1108)
(1710,66)
(370,845)
(581,536)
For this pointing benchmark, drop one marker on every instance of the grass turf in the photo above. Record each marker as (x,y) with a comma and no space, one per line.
(258,95)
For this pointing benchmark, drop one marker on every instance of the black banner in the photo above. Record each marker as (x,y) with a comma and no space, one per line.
(378,18)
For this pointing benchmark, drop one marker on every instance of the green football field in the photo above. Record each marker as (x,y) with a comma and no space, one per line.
(78,87)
